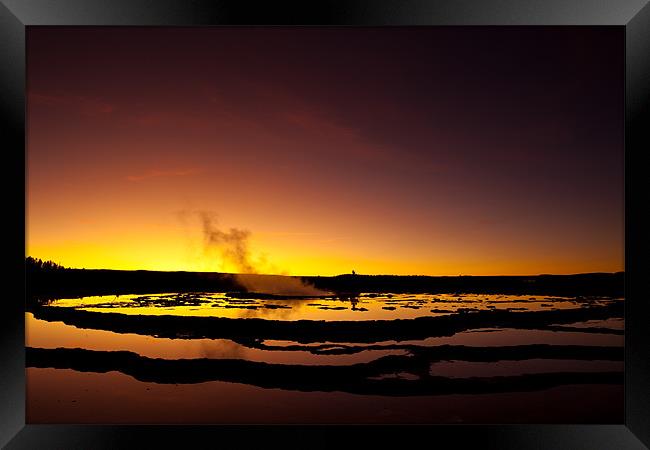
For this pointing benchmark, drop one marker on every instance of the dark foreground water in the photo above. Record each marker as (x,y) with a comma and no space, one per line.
(371,358)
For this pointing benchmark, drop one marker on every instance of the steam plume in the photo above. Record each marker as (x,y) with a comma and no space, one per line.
(234,247)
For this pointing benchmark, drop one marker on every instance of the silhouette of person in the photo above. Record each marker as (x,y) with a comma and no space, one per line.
(353,272)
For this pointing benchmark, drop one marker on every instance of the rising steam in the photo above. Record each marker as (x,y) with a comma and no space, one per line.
(233,246)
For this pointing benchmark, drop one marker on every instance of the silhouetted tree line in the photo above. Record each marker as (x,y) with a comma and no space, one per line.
(47,279)
(33,264)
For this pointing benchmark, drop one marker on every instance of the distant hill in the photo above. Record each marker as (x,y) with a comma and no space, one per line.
(47,279)
(589,284)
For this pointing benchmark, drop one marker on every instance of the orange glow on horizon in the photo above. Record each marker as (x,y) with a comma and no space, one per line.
(328,166)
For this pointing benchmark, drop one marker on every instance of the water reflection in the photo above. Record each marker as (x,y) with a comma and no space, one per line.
(68,396)
(52,335)
(466,369)
(339,307)
(172,352)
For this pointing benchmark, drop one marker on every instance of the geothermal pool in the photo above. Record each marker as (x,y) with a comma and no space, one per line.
(370,358)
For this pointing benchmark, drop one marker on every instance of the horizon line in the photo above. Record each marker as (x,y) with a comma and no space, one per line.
(343,274)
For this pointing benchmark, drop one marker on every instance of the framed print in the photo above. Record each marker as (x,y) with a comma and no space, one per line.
(265,221)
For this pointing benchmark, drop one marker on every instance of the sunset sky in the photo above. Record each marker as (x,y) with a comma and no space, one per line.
(438,151)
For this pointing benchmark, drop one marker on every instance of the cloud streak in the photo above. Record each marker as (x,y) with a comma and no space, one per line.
(162,173)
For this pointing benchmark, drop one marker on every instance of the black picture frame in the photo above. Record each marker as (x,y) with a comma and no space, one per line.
(633,15)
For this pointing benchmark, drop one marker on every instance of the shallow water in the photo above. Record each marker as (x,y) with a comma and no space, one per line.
(464,369)
(386,381)
(68,396)
(52,335)
(366,306)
